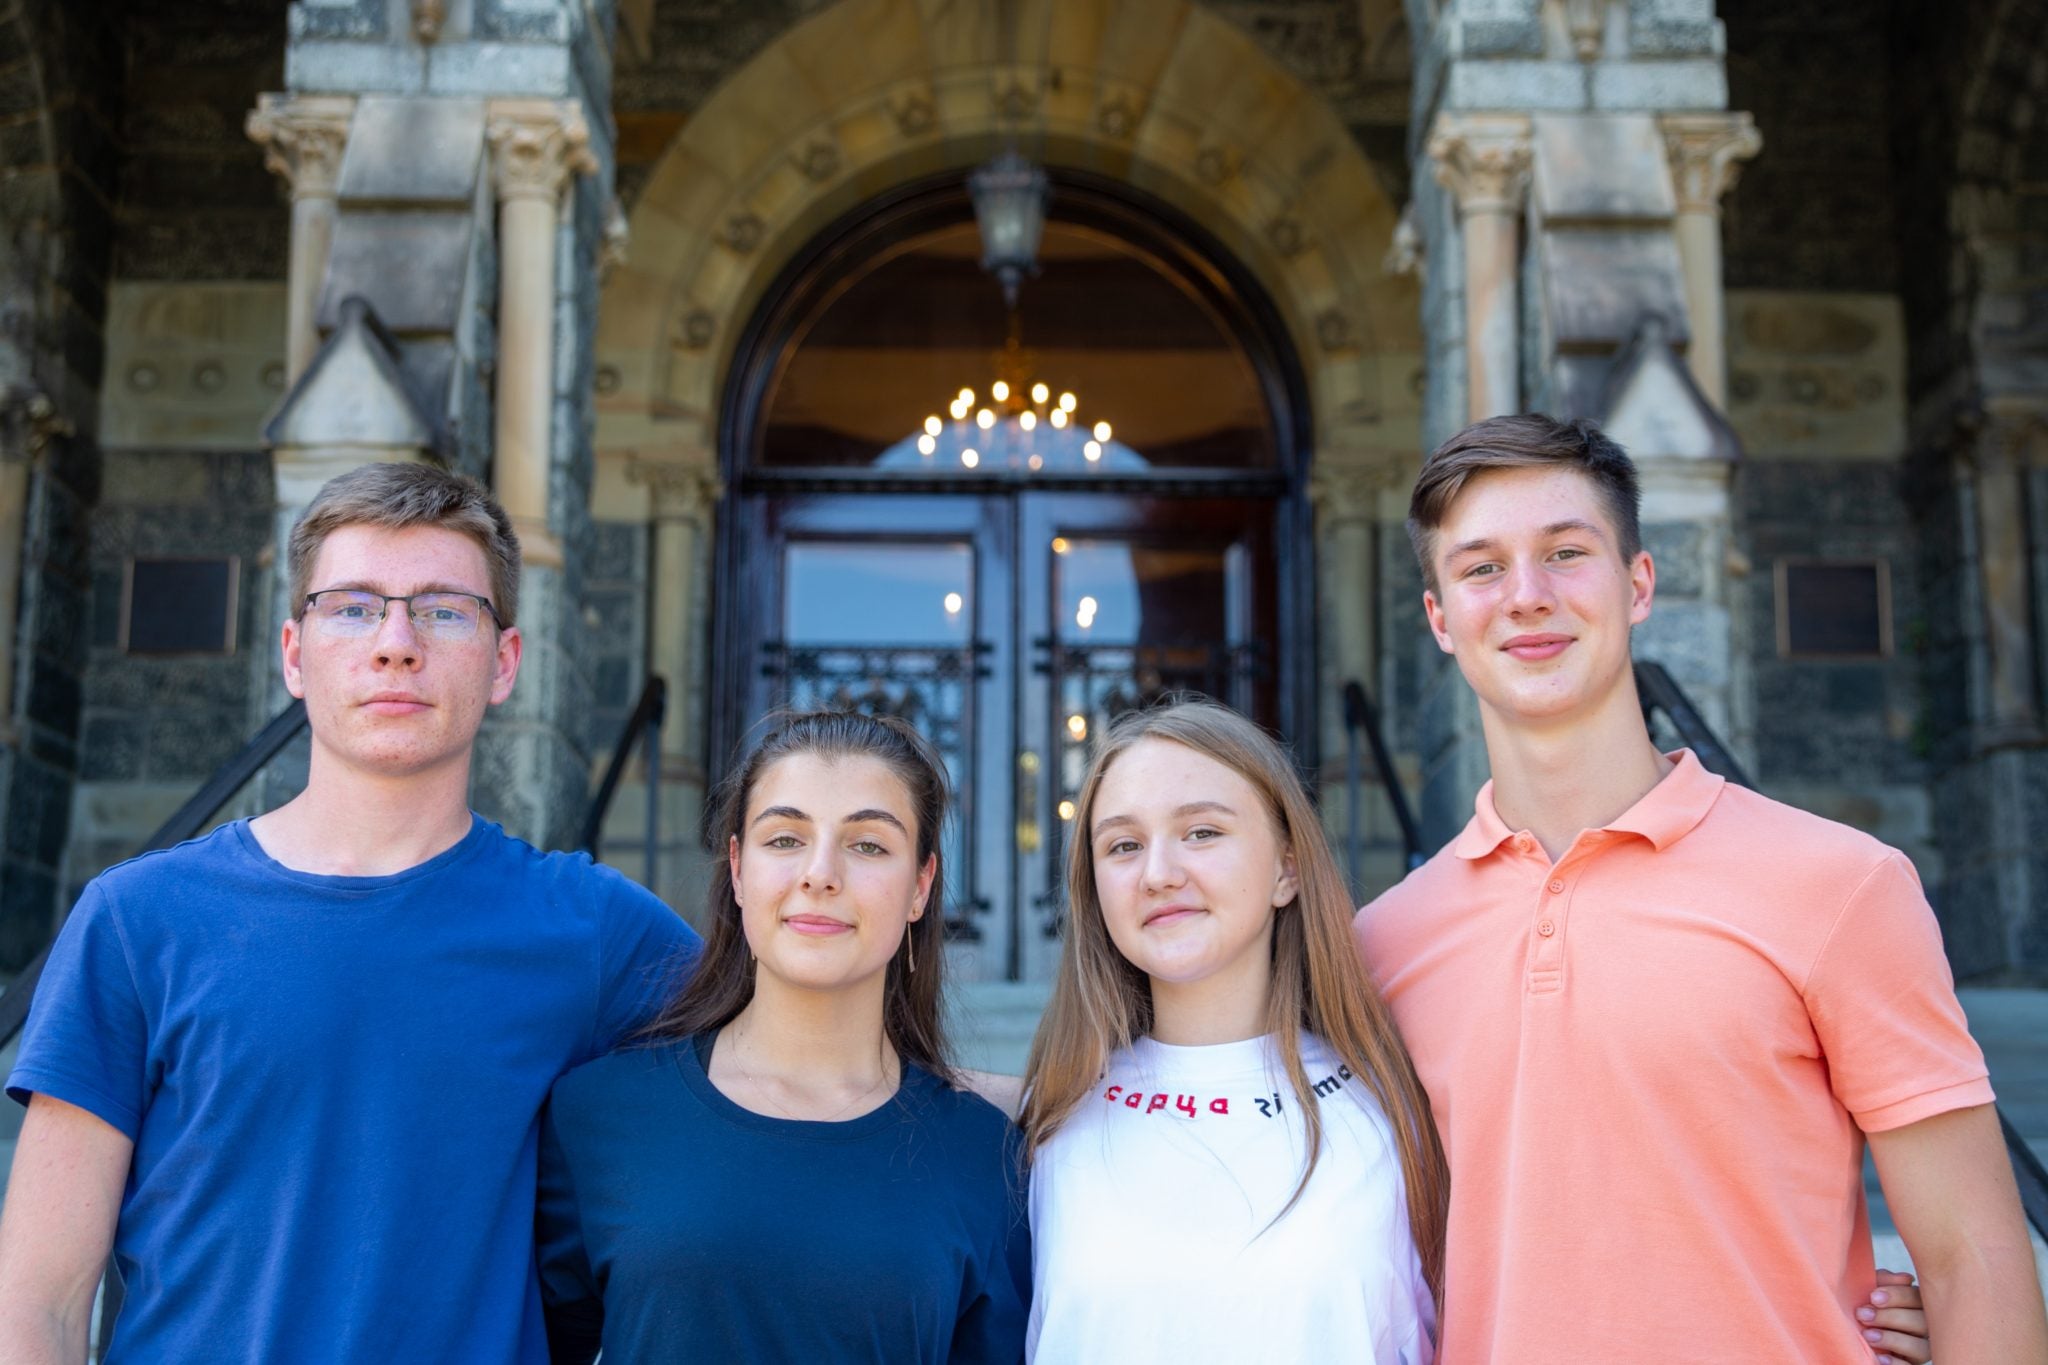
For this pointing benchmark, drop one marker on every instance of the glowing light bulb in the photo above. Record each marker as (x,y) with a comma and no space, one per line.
(984,419)
(1093,450)
(1067,401)
(1035,463)
(926,445)
(1028,420)
(933,426)
(1039,393)
(970,457)
(1000,391)
(1102,431)
(1077,726)
(1059,417)
(966,398)
(1059,545)
(953,603)
(1066,810)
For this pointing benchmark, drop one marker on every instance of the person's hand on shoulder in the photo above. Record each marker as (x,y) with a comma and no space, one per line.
(1893,1323)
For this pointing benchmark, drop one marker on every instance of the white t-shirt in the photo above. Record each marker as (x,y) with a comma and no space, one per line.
(1153,1220)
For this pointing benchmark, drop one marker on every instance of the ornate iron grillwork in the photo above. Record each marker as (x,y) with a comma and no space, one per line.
(933,688)
(1096,683)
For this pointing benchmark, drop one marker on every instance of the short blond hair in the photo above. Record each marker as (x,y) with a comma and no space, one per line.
(395,497)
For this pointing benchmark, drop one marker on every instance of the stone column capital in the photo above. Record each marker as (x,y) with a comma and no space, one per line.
(1341,494)
(1483,159)
(680,492)
(536,145)
(1707,152)
(302,137)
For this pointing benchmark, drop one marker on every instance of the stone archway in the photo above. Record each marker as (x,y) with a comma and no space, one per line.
(868,94)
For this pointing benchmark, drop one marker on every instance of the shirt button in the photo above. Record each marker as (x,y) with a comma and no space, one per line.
(1524,842)
(1556,888)
(1546,928)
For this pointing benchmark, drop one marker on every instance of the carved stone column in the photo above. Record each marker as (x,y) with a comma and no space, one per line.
(682,500)
(302,138)
(1346,501)
(28,423)
(1483,159)
(2007,702)
(1707,152)
(536,146)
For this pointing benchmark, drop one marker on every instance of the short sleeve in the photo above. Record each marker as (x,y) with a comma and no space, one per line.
(646,953)
(87,1037)
(1883,1004)
(571,1303)
(991,1326)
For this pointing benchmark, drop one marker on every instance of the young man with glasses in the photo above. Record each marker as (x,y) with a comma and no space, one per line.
(1659,1016)
(289,1072)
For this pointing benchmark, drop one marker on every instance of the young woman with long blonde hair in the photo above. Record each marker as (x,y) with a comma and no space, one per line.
(1232,1157)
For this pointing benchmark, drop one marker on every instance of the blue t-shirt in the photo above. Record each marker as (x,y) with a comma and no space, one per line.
(676,1226)
(333,1086)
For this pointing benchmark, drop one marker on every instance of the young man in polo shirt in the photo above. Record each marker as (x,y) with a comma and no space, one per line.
(1658,1015)
(290,1072)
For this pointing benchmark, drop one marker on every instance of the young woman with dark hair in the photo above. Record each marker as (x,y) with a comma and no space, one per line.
(782,1168)
(1231,1156)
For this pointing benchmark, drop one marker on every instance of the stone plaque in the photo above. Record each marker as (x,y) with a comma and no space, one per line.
(1834,609)
(180,606)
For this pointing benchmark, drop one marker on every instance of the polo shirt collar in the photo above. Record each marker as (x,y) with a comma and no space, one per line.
(1665,814)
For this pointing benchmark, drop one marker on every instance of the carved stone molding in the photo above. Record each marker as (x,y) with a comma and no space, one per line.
(428,18)
(1483,160)
(536,145)
(681,492)
(1347,494)
(1707,152)
(29,422)
(302,137)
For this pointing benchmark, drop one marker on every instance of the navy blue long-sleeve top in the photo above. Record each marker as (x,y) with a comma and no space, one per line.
(674,1225)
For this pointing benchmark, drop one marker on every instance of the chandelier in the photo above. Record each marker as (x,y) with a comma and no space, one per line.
(1020,422)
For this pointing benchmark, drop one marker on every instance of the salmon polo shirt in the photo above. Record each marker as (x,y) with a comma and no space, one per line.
(1653,1064)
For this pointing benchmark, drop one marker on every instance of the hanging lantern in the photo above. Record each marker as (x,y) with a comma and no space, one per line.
(1010,197)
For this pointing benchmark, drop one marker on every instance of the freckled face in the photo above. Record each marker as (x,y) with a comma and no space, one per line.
(1188,865)
(393,703)
(826,870)
(1534,597)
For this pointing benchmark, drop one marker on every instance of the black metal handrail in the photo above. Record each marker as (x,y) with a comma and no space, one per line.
(1659,691)
(643,726)
(188,820)
(1361,717)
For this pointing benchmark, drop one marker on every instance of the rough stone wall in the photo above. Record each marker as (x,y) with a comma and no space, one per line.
(155,727)
(1974,230)
(1849,739)
(615,601)
(60,103)
(196,201)
(1815,209)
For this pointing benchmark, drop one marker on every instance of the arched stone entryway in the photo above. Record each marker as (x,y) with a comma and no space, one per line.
(867,95)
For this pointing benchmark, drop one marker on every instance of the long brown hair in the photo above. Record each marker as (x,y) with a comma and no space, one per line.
(723,980)
(1101,1002)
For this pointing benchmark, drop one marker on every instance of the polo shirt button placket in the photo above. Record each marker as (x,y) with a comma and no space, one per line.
(1546,962)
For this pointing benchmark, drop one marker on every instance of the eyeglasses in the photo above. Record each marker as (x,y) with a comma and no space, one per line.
(349,612)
